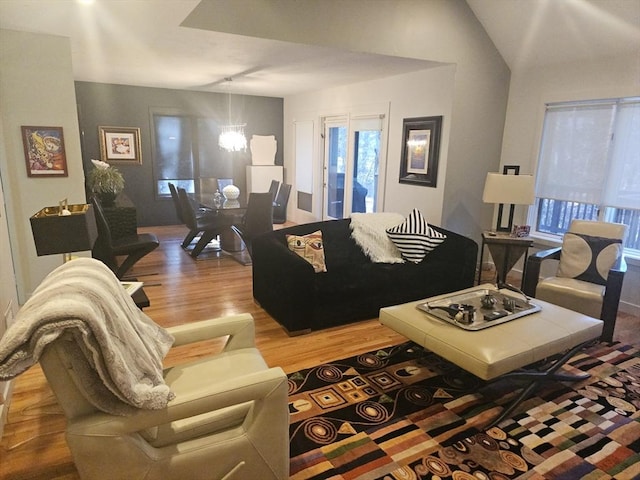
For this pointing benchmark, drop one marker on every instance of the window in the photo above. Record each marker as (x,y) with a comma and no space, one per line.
(186,152)
(589,167)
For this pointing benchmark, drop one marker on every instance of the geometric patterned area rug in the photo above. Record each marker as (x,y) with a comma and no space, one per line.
(405,413)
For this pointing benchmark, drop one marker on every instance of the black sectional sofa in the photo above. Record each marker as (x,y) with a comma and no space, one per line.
(353,288)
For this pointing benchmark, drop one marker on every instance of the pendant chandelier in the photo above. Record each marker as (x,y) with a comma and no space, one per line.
(232,138)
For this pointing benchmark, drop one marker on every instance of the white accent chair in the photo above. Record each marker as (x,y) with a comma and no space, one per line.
(593,299)
(229,419)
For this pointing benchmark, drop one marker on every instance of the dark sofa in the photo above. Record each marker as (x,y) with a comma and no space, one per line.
(353,288)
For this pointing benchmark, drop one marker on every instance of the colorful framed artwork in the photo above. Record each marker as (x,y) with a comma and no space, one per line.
(44,151)
(120,145)
(420,150)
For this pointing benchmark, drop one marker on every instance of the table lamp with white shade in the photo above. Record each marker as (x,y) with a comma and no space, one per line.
(508,190)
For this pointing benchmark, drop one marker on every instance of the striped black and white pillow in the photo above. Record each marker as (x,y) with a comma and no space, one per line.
(414,237)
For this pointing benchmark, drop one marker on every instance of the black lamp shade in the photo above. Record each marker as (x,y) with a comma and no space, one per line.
(54,233)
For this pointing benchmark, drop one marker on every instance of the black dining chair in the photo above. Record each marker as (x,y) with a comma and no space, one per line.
(223,182)
(201,211)
(273,189)
(257,219)
(208,225)
(132,247)
(176,201)
(280,204)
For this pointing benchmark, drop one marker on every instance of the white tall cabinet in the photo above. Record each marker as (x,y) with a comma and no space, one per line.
(259,177)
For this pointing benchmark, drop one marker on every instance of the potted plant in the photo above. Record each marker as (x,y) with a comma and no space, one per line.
(106,182)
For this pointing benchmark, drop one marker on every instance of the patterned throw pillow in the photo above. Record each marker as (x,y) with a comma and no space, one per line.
(588,258)
(310,248)
(414,237)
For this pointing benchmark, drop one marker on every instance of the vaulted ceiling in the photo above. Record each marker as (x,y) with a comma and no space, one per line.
(144,43)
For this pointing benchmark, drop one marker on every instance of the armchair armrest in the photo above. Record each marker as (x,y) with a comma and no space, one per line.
(611,300)
(240,328)
(619,267)
(534,263)
(209,397)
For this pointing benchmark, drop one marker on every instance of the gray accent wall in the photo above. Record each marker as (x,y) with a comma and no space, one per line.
(128,106)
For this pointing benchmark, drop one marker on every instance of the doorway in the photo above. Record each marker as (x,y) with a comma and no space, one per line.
(352,165)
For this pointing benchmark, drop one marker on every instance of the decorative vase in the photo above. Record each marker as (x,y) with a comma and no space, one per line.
(231,192)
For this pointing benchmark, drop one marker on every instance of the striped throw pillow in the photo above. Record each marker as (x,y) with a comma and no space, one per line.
(414,237)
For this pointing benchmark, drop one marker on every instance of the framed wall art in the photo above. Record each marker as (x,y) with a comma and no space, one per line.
(120,145)
(44,151)
(420,150)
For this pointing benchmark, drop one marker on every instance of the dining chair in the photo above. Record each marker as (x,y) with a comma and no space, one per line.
(280,204)
(176,201)
(273,189)
(257,219)
(132,247)
(208,225)
(223,182)
(191,234)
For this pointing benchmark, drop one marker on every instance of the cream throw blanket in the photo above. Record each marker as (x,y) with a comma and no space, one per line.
(114,348)
(369,231)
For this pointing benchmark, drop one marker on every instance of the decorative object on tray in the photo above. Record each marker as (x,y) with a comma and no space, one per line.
(106,182)
(481,308)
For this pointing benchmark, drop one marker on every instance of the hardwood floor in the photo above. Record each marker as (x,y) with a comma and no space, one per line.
(182,290)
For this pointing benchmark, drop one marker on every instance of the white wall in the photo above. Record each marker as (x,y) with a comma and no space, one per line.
(8,292)
(531,89)
(425,93)
(444,31)
(36,88)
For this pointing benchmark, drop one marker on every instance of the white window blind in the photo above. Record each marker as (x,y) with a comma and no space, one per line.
(590,154)
(575,147)
(623,186)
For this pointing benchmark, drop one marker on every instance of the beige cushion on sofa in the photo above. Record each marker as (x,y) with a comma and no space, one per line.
(309,247)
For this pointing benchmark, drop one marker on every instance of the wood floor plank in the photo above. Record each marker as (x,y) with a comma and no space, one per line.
(181,290)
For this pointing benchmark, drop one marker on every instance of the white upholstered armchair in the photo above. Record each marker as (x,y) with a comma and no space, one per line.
(590,272)
(219,416)
(229,418)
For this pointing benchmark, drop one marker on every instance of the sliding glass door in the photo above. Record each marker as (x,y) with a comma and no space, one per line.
(351,165)
(335,153)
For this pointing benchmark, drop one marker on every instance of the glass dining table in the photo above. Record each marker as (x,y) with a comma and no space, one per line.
(234,209)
